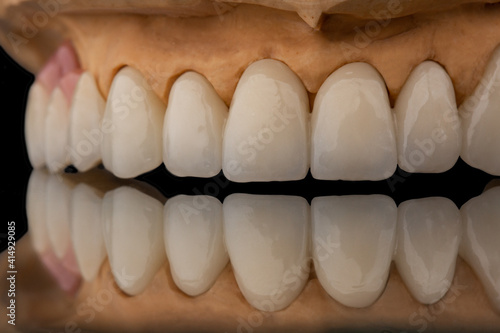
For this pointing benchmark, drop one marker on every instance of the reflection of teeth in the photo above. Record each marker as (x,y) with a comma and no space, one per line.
(133,237)
(36,112)
(428,238)
(194,242)
(266,137)
(134,114)
(429,134)
(480,242)
(353,272)
(56,131)
(36,209)
(57,214)
(267,242)
(192,133)
(352,127)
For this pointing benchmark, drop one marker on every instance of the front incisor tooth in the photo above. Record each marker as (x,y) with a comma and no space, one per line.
(428,236)
(56,132)
(192,132)
(352,127)
(267,241)
(352,244)
(132,126)
(36,112)
(267,132)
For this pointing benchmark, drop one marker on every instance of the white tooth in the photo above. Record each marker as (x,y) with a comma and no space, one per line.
(85,134)
(429,136)
(353,242)
(352,127)
(132,126)
(133,233)
(56,132)
(57,215)
(85,223)
(36,209)
(192,132)
(480,119)
(194,242)
(267,132)
(428,236)
(36,112)
(267,241)
(480,246)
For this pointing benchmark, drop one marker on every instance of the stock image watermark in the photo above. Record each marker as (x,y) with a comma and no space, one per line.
(11,272)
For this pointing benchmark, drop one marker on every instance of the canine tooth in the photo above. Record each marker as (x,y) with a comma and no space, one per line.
(193,127)
(429,136)
(353,272)
(56,132)
(194,242)
(36,209)
(480,246)
(85,226)
(267,132)
(85,134)
(57,215)
(267,241)
(352,127)
(480,116)
(133,233)
(36,112)
(132,126)
(428,236)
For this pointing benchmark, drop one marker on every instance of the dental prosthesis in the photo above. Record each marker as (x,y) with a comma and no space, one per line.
(260,91)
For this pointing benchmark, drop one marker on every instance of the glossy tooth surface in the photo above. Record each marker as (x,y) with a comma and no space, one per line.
(267,133)
(480,245)
(34,128)
(353,272)
(132,126)
(56,132)
(193,128)
(194,242)
(36,210)
(133,233)
(86,230)
(353,134)
(429,135)
(480,119)
(428,236)
(85,133)
(267,242)
(57,200)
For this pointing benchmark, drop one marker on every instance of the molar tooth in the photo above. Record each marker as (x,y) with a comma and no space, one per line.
(352,127)
(56,131)
(133,233)
(194,242)
(193,127)
(267,131)
(480,246)
(429,136)
(85,135)
(353,242)
(428,236)
(267,241)
(36,112)
(480,119)
(132,126)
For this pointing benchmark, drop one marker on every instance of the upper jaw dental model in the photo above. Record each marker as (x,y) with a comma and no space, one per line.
(303,95)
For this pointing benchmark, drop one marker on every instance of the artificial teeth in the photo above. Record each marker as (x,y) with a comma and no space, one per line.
(133,120)
(352,125)
(36,209)
(267,241)
(36,112)
(429,136)
(193,128)
(267,131)
(56,131)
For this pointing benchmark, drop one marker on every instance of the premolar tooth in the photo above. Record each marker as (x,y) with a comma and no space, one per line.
(192,132)
(85,134)
(36,112)
(266,136)
(132,126)
(352,127)
(133,232)
(428,236)
(353,242)
(429,136)
(480,119)
(56,131)
(267,241)
(480,246)
(194,242)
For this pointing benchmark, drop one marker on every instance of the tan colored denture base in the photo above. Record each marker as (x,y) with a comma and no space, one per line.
(221,47)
